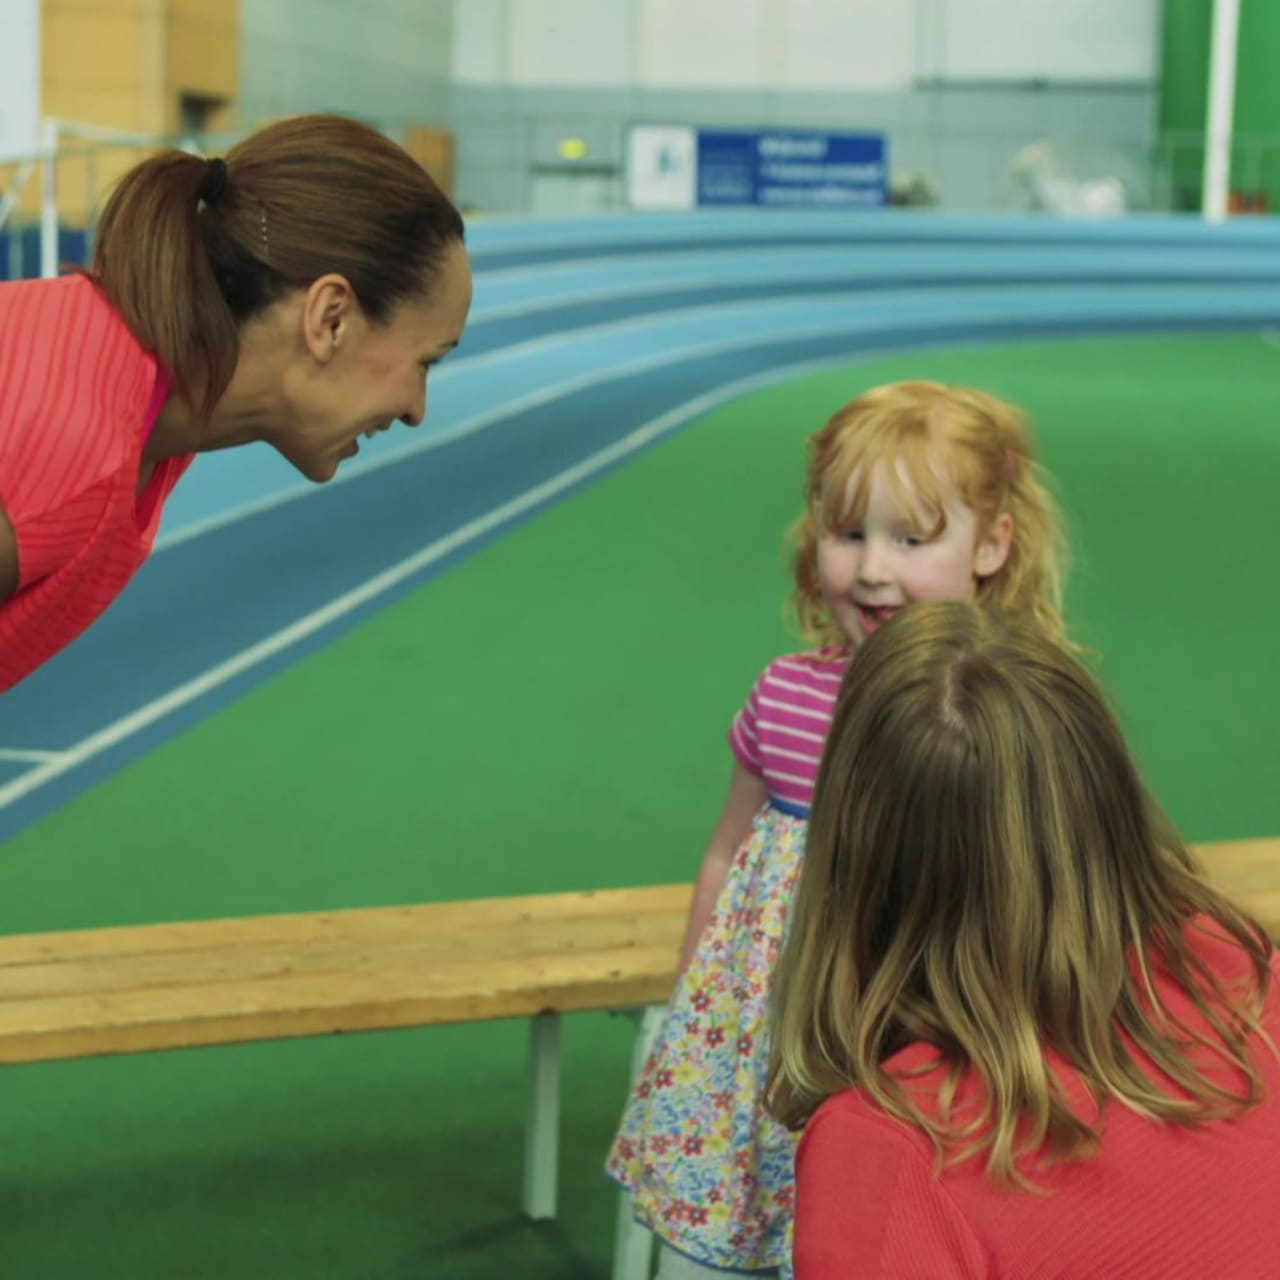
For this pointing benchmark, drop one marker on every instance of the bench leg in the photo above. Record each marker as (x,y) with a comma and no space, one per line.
(633,1242)
(542,1123)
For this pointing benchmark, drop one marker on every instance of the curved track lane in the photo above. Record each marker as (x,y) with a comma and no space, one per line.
(586,345)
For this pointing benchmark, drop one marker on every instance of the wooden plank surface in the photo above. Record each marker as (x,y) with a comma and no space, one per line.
(1248,872)
(168,986)
(125,990)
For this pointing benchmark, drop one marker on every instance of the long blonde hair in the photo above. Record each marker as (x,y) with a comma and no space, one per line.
(985,873)
(977,445)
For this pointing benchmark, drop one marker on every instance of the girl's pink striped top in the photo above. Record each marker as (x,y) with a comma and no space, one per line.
(780,732)
(78,399)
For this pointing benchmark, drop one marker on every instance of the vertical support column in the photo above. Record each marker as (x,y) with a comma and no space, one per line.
(1222,98)
(542,1123)
(49,198)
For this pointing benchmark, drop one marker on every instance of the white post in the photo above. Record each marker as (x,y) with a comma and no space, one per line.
(49,198)
(542,1123)
(632,1241)
(1222,97)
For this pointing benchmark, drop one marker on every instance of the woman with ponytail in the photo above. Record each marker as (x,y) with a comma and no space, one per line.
(295,292)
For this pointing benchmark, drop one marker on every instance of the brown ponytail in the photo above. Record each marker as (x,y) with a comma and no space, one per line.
(188,249)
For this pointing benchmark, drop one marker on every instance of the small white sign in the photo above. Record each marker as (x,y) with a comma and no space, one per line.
(662,167)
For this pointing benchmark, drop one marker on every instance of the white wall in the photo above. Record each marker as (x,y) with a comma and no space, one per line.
(714,44)
(800,45)
(576,43)
(480,42)
(861,44)
(19,77)
(382,60)
(1041,39)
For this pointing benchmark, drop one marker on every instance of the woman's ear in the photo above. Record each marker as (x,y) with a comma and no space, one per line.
(326,316)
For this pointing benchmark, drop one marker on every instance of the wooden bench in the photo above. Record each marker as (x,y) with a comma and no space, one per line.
(1248,871)
(179,986)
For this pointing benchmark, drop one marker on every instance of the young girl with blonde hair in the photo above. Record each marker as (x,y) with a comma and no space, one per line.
(914,491)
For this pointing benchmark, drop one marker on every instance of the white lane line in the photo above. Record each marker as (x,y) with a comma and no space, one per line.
(487,314)
(614,370)
(779,268)
(125,727)
(660,322)
(621,368)
(486,418)
(660,273)
(16,755)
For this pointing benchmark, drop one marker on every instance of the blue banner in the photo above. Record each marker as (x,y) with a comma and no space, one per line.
(792,168)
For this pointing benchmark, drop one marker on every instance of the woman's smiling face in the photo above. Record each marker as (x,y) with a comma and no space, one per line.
(364,375)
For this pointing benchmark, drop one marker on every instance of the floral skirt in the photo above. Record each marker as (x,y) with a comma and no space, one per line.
(709,1170)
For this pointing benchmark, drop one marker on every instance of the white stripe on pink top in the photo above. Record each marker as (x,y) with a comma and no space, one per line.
(780,732)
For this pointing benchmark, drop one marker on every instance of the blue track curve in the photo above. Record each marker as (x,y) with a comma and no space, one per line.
(582,333)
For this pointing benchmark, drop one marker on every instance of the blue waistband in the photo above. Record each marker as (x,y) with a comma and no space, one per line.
(789,807)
